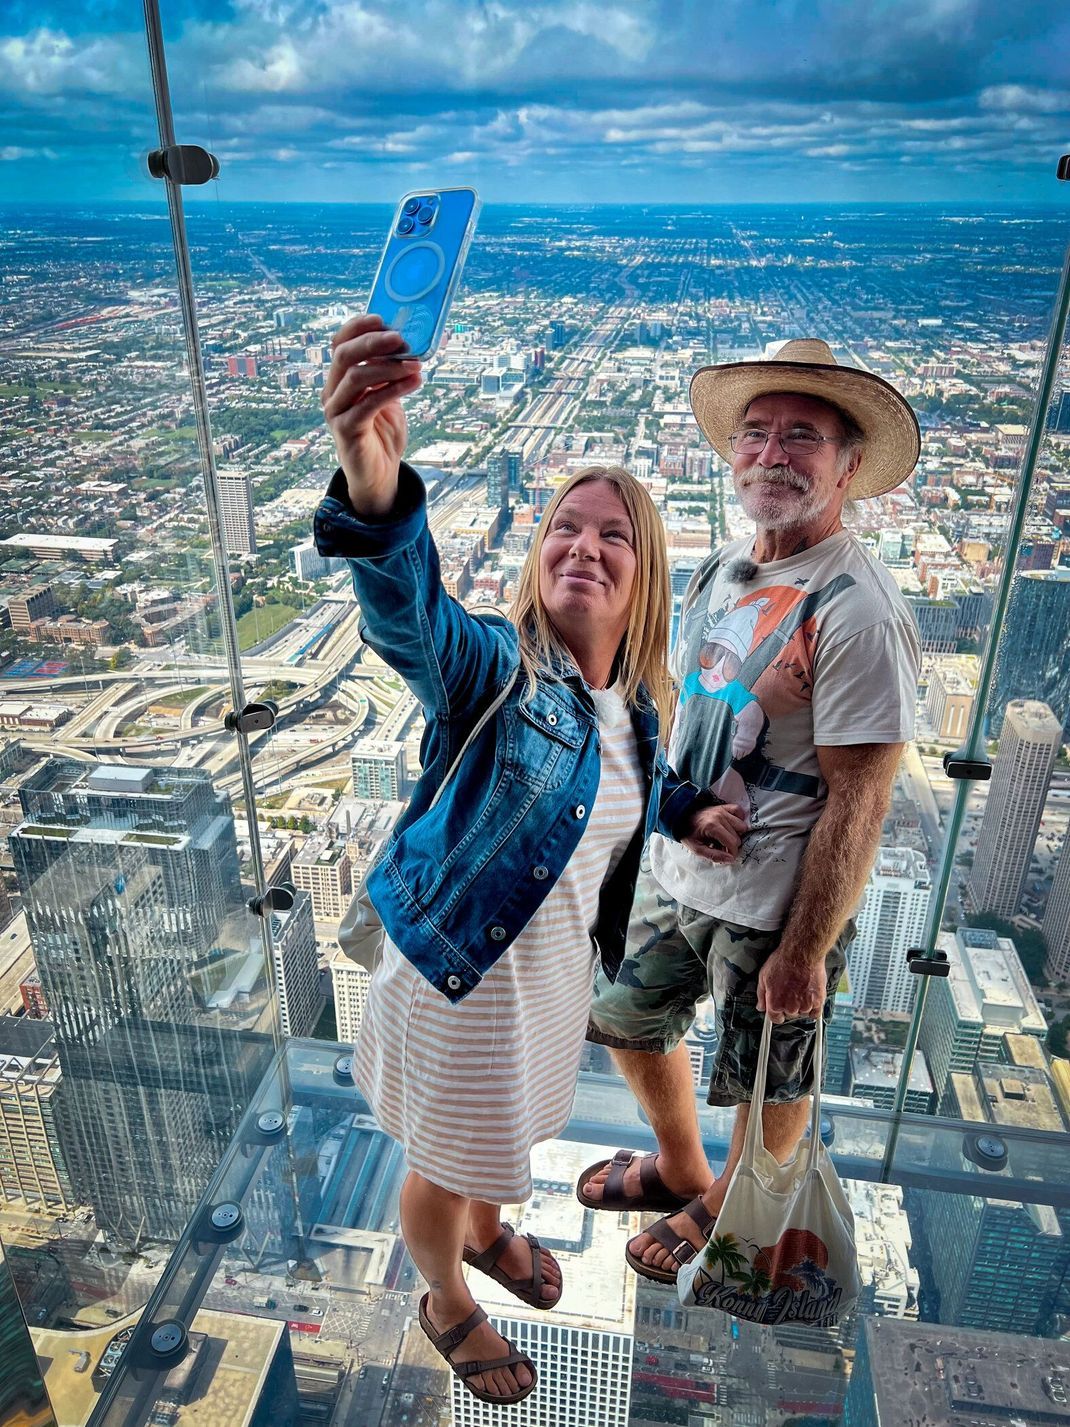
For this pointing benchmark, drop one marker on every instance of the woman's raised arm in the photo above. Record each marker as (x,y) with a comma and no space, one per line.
(362,403)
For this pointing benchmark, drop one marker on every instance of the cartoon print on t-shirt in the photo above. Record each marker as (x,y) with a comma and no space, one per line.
(727,721)
(745,662)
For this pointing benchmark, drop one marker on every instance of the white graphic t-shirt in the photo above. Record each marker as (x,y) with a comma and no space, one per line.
(819,649)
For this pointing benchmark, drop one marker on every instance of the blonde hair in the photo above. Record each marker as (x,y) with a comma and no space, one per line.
(643,653)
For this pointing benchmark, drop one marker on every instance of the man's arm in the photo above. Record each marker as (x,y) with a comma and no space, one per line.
(838,859)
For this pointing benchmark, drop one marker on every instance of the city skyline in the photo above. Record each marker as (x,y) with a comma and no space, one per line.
(965,100)
(572,341)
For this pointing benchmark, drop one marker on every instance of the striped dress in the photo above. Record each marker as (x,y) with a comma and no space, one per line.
(468,1088)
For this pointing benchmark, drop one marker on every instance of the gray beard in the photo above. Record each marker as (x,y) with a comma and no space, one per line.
(768,512)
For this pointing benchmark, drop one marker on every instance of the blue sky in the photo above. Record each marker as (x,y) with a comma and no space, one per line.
(659,101)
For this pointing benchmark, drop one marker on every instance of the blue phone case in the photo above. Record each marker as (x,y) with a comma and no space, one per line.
(422,262)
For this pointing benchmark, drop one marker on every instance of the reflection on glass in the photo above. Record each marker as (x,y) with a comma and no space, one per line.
(153,978)
(23,1398)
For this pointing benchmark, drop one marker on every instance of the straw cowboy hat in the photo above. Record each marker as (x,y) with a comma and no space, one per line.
(806,367)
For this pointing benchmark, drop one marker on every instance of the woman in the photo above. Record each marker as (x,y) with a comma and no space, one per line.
(492,894)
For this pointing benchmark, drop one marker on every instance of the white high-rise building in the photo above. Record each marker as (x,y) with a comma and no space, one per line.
(985,995)
(351,984)
(582,1350)
(892,920)
(296,958)
(323,870)
(1028,746)
(236,509)
(890,1282)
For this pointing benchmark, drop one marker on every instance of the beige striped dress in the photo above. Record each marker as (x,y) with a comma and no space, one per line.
(468,1088)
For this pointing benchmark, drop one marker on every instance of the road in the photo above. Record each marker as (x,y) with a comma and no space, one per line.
(16,962)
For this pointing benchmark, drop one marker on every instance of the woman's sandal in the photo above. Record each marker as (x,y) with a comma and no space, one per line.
(452,1339)
(682,1250)
(528,1290)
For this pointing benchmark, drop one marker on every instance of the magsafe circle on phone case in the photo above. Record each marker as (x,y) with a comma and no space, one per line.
(414,272)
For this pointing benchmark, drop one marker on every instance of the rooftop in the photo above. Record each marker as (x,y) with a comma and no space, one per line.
(988,983)
(954,1377)
(880,1069)
(601,1287)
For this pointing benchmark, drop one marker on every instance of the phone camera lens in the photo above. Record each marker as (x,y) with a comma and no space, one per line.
(425,214)
(412,205)
(405,225)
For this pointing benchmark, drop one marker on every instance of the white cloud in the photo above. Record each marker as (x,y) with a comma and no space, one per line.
(1022,98)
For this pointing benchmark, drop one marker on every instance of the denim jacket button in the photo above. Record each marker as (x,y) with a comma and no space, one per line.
(453,982)
(581,811)
(497,933)
(551,719)
(540,873)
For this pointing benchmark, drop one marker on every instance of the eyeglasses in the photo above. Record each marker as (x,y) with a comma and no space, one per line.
(749,440)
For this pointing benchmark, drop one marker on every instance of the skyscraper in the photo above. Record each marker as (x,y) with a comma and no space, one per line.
(323,870)
(985,996)
(582,1348)
(351,984)
(998,1263)
(31,1161)
(1028,746)
(890,921)
(1057,919)
(503,477)
(297,977)
(129,879)
(838,1038)
(380,772)
(912,1373)
(236,508)
(1032,662)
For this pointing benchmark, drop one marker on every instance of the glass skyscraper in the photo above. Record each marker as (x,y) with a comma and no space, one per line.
(154,976)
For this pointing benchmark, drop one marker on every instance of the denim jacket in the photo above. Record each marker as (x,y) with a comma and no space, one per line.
(459,882)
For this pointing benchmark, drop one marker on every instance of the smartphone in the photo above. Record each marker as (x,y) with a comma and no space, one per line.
(421,263)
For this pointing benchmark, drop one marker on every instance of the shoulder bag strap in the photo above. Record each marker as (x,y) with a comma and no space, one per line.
(484,718)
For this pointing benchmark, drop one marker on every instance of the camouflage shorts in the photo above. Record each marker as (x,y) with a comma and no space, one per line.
(674,959)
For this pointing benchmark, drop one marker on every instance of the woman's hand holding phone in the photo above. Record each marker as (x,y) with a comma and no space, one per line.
(361,400)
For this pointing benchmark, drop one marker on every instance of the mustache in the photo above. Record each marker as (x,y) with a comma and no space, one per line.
(776,476)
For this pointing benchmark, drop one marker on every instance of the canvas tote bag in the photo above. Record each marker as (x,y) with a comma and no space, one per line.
(360,932)
(782,1249)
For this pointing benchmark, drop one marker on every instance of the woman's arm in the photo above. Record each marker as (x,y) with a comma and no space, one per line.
(362,403)
(374,515)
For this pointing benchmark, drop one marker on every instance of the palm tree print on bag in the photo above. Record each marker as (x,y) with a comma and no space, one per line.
(725,1251)
(785,1282)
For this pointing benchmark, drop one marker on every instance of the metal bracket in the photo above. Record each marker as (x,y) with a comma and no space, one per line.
(253,718)
(183,163)
(279,897)
(925,963)
(973,770)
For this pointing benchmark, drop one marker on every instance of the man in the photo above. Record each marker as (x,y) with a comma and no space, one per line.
(797,661)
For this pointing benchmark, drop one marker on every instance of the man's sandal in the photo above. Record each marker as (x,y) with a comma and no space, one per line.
(528,1290)
(654,1193)
(681,1249)
(452,1339)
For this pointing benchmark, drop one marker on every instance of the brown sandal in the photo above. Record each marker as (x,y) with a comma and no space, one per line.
(452,1339)
(681,1249)
(528,1290)
(653,1194)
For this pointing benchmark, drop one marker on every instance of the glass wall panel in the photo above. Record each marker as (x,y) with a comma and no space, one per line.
(993,1032)
(137,1014)
(963,1271)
